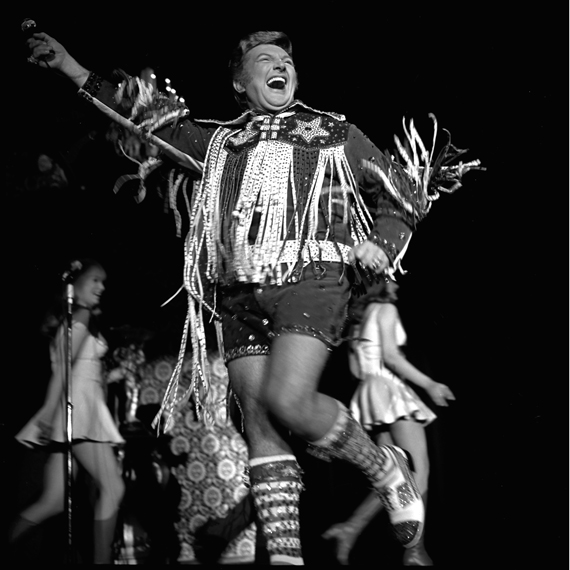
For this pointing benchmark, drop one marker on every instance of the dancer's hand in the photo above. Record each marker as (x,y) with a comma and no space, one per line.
(345,535)
(439,393)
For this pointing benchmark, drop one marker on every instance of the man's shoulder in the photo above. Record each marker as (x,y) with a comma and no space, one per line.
(302,108)
(313,128)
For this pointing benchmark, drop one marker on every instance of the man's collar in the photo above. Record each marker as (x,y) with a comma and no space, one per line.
(249,114)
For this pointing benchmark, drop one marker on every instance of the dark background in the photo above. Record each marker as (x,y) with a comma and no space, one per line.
(485,295)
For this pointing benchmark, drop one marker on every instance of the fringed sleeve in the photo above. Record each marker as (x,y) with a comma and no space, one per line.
(141,110)
(157,121)
(401,187)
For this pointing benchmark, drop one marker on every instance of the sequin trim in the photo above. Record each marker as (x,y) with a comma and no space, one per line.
(389,248)
(309,331)
(250,350)
(406,532)
(93,84)
(274,471)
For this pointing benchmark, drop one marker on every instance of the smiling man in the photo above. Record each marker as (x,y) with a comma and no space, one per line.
(290,206)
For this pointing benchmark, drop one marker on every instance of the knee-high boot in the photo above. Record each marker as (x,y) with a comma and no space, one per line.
(387,470)
(417,555)
(276,488)
(103,538)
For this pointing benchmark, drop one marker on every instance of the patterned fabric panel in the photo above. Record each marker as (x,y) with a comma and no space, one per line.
(212,477)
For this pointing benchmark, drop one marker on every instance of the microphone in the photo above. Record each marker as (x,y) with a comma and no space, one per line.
(29,28)
(67,279)
(69,293)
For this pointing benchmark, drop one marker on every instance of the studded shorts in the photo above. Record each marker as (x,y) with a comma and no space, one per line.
(253,315)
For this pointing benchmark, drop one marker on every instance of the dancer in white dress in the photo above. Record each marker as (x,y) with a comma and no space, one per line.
(386,406)
(93,428)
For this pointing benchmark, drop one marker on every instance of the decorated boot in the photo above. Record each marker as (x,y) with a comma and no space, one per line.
(417,555)
(387,469)
(276,488)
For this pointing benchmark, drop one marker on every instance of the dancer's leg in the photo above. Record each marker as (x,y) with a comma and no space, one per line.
(411,436)
(50,502)
(100,462)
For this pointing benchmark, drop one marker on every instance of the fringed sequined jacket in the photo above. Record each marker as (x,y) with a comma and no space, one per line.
(278,192)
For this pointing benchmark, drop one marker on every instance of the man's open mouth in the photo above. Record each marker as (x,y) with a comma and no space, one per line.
(277,83)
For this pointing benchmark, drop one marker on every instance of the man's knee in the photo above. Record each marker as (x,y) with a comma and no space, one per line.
(286,406)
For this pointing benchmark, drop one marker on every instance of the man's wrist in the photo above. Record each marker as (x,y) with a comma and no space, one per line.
(387,247)
(77,73)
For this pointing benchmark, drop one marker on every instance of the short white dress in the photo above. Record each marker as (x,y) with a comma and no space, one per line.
(92,420)
(381,397)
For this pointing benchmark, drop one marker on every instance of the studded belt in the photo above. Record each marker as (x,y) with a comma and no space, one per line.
(313,250)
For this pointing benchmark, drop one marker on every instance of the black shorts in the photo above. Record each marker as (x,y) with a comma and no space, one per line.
(253,315)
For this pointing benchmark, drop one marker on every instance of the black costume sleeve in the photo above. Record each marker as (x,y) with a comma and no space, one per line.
(160,120)
(392,224)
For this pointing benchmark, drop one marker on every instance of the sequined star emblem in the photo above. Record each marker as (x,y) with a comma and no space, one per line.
(244,135)
(310,129)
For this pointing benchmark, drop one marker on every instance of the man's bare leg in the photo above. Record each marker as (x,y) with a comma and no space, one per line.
(275,475)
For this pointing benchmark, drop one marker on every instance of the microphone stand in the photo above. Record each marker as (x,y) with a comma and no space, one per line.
(68,437)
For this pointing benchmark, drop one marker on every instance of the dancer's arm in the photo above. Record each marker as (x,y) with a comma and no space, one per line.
(397,362)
